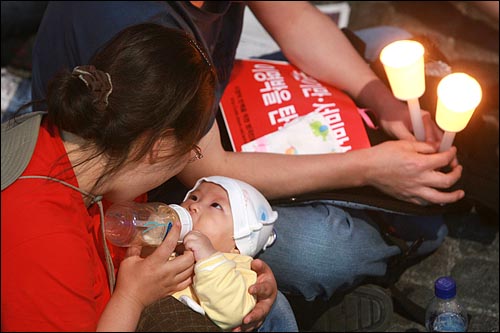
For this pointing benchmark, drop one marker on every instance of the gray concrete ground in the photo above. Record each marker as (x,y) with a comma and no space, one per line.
(470,251)
(470,255)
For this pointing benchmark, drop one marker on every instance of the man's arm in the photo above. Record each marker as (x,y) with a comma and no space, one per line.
(313,42)
(403,169)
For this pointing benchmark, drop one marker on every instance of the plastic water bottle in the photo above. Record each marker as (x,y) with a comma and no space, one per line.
(444,313)
(144,224)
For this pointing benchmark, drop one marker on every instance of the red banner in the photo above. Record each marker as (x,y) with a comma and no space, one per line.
(263,95)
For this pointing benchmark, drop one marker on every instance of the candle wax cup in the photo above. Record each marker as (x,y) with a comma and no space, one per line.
(403,62)
(458,96)
(450,120)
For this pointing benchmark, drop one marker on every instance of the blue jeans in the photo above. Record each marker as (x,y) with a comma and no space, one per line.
(321,248)
(16,91)
(280,318)
(376,38)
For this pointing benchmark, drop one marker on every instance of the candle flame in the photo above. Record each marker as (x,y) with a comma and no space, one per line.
(401,53)
(403,62)
(460,92)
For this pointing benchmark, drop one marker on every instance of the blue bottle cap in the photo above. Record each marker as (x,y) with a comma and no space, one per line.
(445,287)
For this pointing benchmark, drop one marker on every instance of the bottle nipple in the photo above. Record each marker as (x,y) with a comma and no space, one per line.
(185,219)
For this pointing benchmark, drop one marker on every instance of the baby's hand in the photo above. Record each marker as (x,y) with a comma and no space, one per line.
(200,245)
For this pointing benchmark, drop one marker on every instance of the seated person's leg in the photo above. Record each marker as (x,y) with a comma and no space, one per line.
(377,37)
(432,229)
(321,249)
(16,91)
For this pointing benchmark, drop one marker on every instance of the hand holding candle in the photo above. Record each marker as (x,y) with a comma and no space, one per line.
(458,96)
(403,62)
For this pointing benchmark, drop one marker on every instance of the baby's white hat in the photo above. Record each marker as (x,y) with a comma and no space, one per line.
(253,217)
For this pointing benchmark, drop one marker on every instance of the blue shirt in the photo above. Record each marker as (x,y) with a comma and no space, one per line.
(72,31)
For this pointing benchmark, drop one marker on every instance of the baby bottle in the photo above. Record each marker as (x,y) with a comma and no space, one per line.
(144,224)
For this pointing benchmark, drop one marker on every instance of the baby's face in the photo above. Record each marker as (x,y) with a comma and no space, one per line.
(211,213)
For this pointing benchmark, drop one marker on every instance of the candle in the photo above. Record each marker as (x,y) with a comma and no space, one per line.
(458,96)
(403,62)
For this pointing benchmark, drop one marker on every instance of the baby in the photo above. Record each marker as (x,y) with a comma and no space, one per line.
(232,222)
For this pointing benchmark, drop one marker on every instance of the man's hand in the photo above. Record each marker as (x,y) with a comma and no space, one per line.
(266,291)
(409,170)
(402,128)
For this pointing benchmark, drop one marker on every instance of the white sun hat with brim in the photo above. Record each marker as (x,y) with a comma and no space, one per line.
(19,138)
(253,217)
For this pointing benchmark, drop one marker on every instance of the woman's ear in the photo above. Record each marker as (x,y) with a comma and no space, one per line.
(161,148)
(155,152)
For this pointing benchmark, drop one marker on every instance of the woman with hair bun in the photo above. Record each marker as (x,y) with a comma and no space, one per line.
(115,129)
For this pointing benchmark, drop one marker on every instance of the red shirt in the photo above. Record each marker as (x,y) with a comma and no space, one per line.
(53,269)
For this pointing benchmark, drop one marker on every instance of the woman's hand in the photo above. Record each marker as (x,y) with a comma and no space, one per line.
(266,291)
(156,276)
(142,281)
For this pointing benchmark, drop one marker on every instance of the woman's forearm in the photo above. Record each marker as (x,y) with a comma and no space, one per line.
(120,315)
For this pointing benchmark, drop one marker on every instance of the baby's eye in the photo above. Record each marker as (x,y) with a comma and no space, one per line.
(216,205)
(193,197)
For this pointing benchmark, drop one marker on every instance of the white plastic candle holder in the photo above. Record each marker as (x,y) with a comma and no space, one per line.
(458,96)
(403,62)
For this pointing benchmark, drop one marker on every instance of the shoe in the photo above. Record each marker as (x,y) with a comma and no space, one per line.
(367,308)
